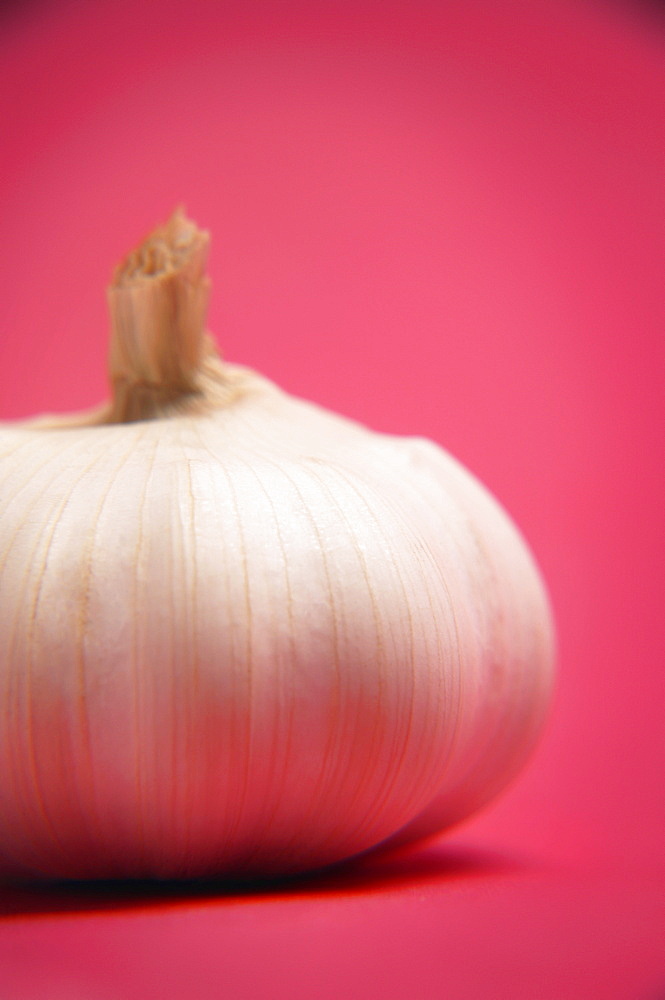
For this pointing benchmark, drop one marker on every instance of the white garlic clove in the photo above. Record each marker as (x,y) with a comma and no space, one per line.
(239,634)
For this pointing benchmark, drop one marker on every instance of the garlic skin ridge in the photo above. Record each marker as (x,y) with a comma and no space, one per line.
(251,637)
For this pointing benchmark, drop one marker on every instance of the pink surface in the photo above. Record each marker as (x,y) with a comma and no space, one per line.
(440,219)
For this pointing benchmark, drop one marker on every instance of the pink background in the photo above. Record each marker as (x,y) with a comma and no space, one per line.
(439,218)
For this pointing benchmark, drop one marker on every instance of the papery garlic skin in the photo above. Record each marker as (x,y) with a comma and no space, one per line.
(254,639)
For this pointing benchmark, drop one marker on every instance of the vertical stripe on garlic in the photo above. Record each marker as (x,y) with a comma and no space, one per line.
(239,633)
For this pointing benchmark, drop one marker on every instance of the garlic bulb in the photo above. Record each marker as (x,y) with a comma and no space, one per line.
(239,634)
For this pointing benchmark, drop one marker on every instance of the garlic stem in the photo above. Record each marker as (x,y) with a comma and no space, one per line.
(158,301)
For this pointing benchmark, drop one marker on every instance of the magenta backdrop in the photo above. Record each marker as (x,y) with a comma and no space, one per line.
(439,218)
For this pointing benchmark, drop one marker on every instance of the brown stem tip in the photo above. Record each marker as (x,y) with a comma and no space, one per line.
(160,356)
